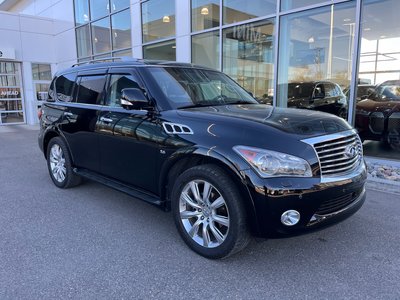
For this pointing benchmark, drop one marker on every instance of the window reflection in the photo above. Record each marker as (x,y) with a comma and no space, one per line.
(101,36)
(377,115)
(99,8)
(121,29)
(205,14)
(81,11)
(162,51)
(317,46)
(248,57)
(292,4)
(205,49)
(158,19)
(83,41)
(239,10)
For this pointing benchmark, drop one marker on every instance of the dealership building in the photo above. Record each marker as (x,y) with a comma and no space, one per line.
(270,47)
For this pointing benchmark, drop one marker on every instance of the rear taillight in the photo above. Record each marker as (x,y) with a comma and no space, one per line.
(39,113)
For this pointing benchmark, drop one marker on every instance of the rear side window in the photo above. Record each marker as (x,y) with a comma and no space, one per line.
(64,87)
(90,89)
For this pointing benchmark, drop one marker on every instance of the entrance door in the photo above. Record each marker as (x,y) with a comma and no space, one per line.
(11,103)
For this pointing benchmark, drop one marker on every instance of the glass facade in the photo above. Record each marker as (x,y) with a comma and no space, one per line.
(205,49)
(103,28)
(326,55)
(11,104)
(158,19)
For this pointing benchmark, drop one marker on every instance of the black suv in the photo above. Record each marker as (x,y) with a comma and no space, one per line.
(191,140)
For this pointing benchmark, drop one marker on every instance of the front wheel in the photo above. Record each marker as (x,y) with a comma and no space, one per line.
(59,164)
(209,213)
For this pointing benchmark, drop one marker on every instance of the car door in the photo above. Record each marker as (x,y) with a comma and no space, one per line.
(79,124)
(129,139)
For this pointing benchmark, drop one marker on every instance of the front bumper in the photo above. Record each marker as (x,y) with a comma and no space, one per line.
(320,203)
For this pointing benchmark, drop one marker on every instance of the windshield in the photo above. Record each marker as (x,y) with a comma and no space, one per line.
(186,87)
(387,92)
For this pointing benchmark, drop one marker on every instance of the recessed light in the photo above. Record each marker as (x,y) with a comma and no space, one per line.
(346,20)
(367,29)
(383,36)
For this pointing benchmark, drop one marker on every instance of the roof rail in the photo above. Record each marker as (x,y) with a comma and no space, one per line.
(104,59)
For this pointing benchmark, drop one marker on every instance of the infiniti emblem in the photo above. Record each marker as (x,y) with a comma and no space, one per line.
(350,151)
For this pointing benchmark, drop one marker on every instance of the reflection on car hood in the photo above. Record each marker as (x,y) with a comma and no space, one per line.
(296,121)
(378,106)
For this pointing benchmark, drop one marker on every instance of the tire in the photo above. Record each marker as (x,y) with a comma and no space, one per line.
(213,226)
(59,164)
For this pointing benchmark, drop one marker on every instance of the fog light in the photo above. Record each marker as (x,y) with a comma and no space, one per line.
(290,217)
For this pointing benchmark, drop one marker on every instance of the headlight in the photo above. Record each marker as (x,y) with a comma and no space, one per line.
(271,163)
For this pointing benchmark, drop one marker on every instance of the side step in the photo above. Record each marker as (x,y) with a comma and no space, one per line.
(137,193)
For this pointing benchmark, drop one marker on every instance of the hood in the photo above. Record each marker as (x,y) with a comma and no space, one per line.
(305,123)
(378,106)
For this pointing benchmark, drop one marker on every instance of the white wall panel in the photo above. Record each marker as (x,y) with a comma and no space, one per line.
(9,21)
(36,25)
(37,47)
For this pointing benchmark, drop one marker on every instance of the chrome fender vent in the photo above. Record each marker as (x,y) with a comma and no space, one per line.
(173,128)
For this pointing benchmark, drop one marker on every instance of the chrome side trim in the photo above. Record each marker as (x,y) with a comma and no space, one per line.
(320,218)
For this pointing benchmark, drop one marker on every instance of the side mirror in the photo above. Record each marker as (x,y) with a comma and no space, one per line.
(133,98)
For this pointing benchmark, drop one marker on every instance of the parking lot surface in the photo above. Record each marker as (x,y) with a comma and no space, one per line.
(91,242)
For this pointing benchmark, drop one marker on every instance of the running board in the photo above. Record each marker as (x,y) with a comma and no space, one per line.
(137,193)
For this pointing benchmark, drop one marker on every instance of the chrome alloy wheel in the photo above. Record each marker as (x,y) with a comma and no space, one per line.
(204,213)
(57,163)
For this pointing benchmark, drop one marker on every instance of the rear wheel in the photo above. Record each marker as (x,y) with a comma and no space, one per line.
(59,164)
(209,212)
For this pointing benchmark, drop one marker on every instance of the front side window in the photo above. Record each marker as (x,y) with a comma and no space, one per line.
(64,86)
(90,89)
(197,87)
(118,82)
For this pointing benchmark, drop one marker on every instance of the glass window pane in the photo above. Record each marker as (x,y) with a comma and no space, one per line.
(205,49)
(316,49)
(119,4)
(90,89)
(83,41)
(81,12)
(99,8)
(248,57)
(163,51)
(123,53)
(9,68)
(101,36)
(9,80)
(158,19)
(205,14)
(64,86)
(377,116)
(14,117)
(121,29)
(41,72)
(239,10)
(42,91)
(292,4)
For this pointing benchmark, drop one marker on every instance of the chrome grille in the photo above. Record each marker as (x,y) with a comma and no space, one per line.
(338,154)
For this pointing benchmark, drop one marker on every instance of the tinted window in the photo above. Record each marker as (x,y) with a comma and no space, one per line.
(64,86)
(299,90)
(90,89)
(119,82)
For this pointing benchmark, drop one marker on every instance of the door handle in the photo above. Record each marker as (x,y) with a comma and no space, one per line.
(106,120)
(68,114)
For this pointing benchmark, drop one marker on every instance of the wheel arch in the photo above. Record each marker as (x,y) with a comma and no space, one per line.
(183,161)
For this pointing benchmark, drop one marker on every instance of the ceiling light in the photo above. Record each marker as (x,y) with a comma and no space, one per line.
(367,29)
(204,11)
(166,19)
(311,40)
(173,47)
(383,36)
(346,20)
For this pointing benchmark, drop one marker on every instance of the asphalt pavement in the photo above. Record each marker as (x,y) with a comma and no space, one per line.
(91,242)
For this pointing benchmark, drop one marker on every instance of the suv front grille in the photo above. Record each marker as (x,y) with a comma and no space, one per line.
(338,154)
